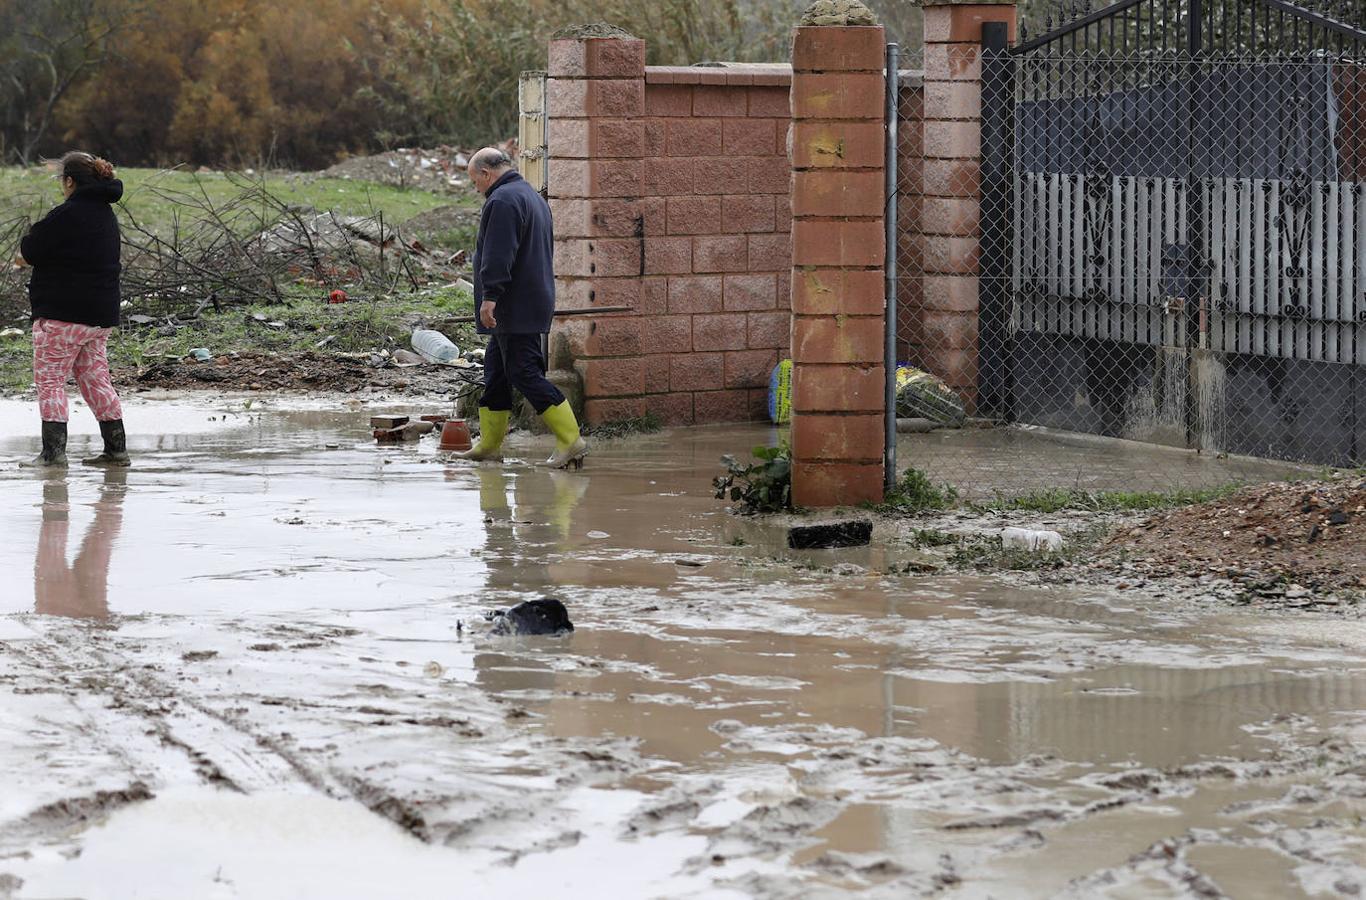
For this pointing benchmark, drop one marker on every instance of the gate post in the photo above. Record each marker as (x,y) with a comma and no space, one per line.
(838,251)
(959,229)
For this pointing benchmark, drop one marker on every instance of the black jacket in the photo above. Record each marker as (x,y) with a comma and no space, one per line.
(514,262)
(74,252)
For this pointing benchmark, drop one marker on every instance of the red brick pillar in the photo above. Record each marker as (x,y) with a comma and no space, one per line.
(595,103)
(951,202)
(837,257)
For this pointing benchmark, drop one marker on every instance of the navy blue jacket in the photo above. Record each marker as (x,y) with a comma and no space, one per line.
(514,263)
(74,252)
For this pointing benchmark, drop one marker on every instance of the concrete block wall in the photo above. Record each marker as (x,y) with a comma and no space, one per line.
(670,190)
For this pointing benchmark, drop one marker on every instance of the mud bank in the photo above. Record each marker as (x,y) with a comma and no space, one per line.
(255,665)
(1213,554)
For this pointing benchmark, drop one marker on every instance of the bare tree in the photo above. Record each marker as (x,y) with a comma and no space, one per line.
(46,48)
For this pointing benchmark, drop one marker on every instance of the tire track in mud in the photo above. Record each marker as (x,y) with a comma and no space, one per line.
(167,735)
(63,816)
(136,716)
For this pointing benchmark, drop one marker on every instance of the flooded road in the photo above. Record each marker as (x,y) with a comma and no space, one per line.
(256,665)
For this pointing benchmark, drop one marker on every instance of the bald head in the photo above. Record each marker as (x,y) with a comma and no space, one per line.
(487,166)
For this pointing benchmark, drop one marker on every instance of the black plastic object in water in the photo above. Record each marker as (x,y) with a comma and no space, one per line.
(830,535)
(544,616)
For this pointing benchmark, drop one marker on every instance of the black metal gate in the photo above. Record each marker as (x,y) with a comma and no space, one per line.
(1173,237)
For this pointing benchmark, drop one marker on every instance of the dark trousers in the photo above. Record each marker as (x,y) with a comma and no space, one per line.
(516,361)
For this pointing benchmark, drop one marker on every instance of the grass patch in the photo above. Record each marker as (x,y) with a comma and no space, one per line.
(915,493)
(608,431)
(33,192)
(460,237)
(366,323)
(931,537)
(1057,499)
(16,362)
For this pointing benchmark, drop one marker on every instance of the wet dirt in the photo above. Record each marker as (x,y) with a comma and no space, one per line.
(985,463)
(315,372)
(259,658)
(1311,534)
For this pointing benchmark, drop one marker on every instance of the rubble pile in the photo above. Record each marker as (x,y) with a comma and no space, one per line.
(439,169)
(1294,543)
(332,248)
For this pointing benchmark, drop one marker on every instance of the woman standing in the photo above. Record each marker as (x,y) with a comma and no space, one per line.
(74,294)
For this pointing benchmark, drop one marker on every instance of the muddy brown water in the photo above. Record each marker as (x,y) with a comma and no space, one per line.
(261,651)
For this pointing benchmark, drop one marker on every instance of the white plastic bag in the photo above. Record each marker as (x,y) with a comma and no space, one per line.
(1029,539)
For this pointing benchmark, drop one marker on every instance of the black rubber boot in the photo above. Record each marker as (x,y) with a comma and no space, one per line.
(115,446)
(53,454)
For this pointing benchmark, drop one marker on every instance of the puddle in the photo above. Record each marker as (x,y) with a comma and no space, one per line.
(273,629)
(212,844)
(984,463)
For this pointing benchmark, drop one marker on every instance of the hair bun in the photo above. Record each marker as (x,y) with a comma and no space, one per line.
(104,169)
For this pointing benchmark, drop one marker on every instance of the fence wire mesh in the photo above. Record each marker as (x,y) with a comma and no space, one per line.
(1154,280)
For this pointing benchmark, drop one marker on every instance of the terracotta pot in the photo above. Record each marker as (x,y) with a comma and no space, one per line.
(455,436)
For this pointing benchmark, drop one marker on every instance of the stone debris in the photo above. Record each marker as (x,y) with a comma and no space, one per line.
(409,431)
(1298,543)
(437,169)
(591,30)
(838,12)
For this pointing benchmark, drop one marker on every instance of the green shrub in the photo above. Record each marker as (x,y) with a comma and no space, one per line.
(915,493)
(760,487)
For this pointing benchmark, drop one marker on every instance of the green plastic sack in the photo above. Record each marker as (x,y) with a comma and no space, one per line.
(920,395)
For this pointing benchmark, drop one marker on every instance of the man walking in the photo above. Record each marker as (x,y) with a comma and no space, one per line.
(514,294)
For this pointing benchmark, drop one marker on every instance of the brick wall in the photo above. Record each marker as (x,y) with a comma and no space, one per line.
(838,199)
(670,189)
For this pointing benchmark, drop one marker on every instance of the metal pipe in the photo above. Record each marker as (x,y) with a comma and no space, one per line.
(559,314)
(889,264)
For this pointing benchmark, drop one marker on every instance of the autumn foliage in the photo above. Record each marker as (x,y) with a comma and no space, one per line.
(264,82)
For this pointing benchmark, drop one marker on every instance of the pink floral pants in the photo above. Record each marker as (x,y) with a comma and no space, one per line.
(63,348)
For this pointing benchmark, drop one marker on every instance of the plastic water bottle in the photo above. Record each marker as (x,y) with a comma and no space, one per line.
(435,346)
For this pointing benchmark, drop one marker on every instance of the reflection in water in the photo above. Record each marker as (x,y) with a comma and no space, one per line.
(521,538)
(79,589)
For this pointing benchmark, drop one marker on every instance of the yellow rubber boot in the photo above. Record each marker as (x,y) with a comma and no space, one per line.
(570,447)
(493,427)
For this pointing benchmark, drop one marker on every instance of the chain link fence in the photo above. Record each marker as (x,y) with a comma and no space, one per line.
(1155,279)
